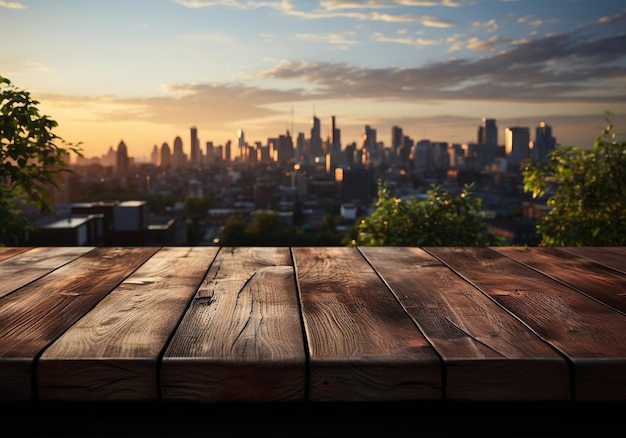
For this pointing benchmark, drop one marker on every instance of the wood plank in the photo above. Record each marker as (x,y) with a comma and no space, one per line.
(593,279)
(363,346)
(488,354)
(34,316)
(588,332)
(10,251)
(241,338)
(28,266)
(613,257)
(112,353)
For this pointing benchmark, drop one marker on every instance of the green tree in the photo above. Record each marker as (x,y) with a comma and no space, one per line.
(32,158)
(196,209)
(441,220)
(233,232)
(585,191)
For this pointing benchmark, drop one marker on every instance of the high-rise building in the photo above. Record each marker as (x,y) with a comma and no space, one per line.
(241,144)
(396,138)
(227,151)
(179,158)
(488,136)
(154,155)
(334,137)
(122,162)
(315,144)
(195,146)
(544,142)
(517,145)
(165,159)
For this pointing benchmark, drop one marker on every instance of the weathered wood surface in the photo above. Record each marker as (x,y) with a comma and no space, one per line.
(613,257)
(112,353)
(10,251)
(241,338)
(209,324)
(589,333)
(487,353)
(362,345)
(28,266)
(591,278)
(34,316)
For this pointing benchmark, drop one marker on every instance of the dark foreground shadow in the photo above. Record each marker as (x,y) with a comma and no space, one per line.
(281,420)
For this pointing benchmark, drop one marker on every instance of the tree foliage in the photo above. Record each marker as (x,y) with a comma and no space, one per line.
(443,219)
(585,190)
(32,158)
(268,229)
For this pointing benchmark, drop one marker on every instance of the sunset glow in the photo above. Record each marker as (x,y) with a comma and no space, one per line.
(146,71)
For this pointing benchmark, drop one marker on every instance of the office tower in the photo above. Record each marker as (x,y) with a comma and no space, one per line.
(195,146)
(396,140)
(517,145)
(227,147)
(166,156)
(179,158)
(122,163)
(488,136)
(422,155)
(284,145)
(213,155)
(154,155)
(300,145)
(241,144)
(315,144)
(403,152)
(544,142)
(334,137)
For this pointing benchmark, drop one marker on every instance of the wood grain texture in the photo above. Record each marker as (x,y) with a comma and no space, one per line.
(112,353)
(10,251)
(28,266)
(241,338)
(32,317)
(613,257)
(593,279)
(488,354)
(362,344)
(578,326)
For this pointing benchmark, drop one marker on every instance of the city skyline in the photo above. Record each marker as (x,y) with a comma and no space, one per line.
(182,152)
(145,72)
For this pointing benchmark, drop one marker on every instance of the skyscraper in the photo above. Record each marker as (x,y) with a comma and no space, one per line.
(166,156)
(179,158)
(241,144)
(517,145)
(334,137)
(315,145)
(396,141)
(122,160)
(195,146)
(544,142)
(488,136)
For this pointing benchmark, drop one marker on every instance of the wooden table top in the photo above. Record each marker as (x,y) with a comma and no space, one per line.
(335,324)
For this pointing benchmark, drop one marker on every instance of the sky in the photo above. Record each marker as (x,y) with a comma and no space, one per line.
(146,71)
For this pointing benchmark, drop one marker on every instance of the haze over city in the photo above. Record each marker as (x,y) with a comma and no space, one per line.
(146,71)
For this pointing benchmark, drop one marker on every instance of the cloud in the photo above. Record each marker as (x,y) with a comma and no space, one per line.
(11,5)
(619,18)
(416,42)
(547,69)
(235,4)
(350,4)
(339,9)
(478,45)
(341,40)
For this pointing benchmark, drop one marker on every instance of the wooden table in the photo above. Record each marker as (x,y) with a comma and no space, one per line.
(312,324)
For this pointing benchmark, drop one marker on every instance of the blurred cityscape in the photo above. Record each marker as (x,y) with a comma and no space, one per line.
(185,194)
